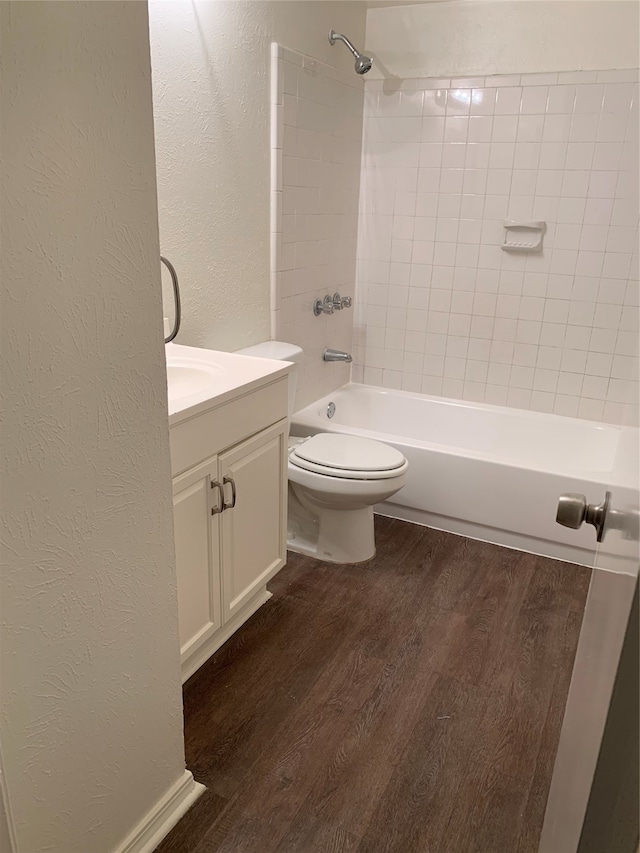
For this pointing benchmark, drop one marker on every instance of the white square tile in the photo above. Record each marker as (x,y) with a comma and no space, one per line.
(432,129)
(571,210)
(525,355)
(577,337)
(479,349)
(591,410)
(477,155)
(455,128)
(549,182)
(602,184)
(523,182)
(460,325)
(479,129)
(612,127)
(530,128)
(557,128)
(545,380)
(575,184)
(473,207)
(563,261)
(508,100)
(474,181)
(521,377)
(589,98)
(603,340)
(498,182)
(499,374)
(607,156)
(616,265)
(621,239)
(449,205)
(469,231)
(495,206)
(598,211)
(504,128)
(424,228)
(501,155)
(581,313)
(527,155)
(549,358)
(584,128)
(528,332)
(458,100)
(430,155)
(428,182)
(451,180)
(595,387)
(570,383)
(553,155)
(432,385)
(483,101)
(504,329)
(434,102)
(561,99)
(566,405)
(427,202)
(573,361)
(589,263)
(452,388)
(579,155)
(556,310)
(534,100)
(453,155)
(483,327)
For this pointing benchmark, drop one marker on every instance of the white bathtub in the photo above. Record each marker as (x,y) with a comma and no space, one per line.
(483,471)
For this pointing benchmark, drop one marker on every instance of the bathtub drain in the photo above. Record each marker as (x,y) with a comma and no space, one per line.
(331,410)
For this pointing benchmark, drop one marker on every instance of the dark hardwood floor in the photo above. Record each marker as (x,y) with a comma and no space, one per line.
(410,704)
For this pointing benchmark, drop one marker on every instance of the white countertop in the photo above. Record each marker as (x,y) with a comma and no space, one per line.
(200,379)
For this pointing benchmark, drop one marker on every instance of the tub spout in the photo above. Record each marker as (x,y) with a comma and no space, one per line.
(337,355)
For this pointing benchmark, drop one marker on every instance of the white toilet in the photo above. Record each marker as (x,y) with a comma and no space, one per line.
(334,482)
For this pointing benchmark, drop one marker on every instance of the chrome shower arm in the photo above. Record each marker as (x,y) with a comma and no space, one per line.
(334,36)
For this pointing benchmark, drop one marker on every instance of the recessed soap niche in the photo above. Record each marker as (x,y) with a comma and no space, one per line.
(523,236)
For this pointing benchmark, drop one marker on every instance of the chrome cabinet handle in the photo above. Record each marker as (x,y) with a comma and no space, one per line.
(232,483)
(220,505)
(573,510)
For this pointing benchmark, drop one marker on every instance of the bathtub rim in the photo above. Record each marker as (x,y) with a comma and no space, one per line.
(309,417)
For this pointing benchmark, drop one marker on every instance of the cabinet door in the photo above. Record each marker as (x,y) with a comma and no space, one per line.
(197,542)
(254,529)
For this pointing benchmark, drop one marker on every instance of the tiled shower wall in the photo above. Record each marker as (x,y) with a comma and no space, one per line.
(441,309)
(315,172)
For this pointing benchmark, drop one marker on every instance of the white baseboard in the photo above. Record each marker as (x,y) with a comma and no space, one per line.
(164,815)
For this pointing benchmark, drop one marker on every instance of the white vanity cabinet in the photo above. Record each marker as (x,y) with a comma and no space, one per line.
(230,511)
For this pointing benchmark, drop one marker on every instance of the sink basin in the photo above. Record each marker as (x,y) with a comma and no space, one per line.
(186,377)
(199,378)
(182,380)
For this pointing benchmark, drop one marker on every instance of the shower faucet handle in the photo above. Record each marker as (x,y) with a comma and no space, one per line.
(323,306)
(347,302)
(337,302)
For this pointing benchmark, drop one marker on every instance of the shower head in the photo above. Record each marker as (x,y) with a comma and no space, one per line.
(363,63)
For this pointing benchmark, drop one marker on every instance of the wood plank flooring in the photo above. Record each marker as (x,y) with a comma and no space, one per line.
(412,704)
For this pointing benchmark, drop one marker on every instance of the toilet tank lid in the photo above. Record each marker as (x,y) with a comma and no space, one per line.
(278,350)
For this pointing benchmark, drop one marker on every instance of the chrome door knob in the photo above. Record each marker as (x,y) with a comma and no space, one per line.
(573,511)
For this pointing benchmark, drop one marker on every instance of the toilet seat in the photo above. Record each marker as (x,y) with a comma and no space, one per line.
(348,457)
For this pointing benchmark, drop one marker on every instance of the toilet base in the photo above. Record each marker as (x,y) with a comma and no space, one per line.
(335,536)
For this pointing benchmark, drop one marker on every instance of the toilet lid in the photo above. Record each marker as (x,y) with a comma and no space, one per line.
(347,453)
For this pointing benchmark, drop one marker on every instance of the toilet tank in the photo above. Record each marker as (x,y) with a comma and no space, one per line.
(280,351)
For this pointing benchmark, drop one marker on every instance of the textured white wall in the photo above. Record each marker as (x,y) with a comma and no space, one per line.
(91,704)
(211,63)
(502,37)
